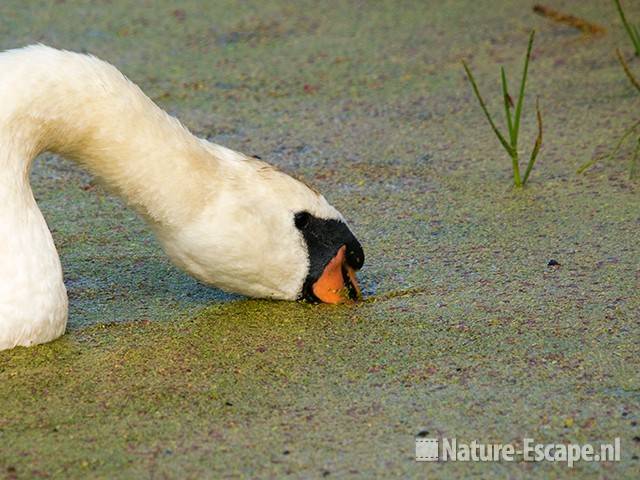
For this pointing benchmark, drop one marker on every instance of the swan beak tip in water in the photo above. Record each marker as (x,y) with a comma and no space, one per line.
(338,283)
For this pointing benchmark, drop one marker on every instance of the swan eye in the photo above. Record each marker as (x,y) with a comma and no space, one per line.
(301,219)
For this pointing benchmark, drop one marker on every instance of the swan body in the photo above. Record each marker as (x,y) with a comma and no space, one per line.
(227,219)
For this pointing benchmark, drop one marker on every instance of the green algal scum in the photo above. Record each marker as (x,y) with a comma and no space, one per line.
(513,119)
(632,30)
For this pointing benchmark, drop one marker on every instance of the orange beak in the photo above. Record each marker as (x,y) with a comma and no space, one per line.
(338,283)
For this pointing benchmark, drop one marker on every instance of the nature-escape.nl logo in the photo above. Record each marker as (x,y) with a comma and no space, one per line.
(450,449)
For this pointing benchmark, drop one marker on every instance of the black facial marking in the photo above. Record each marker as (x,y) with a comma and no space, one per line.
(324,238)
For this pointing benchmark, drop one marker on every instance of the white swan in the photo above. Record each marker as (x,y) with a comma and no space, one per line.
(227,219)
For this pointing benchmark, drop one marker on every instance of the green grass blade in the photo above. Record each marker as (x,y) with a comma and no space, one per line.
(633,168)
(633,35)
(536,147)
(518,112)
(636,42)
(504,143)
(587,165)
(627,70)
(507,103)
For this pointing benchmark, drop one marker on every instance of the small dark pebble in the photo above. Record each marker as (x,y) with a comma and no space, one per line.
(228,404)
(286,452)
(553,263)
(422,433)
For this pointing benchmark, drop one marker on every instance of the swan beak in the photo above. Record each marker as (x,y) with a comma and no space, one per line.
(338,282)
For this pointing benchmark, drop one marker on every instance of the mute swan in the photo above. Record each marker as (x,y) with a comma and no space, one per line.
(227,219)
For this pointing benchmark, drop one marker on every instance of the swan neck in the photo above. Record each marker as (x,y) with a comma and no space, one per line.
(122,137)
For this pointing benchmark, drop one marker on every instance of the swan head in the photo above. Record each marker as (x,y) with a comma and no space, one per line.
(262,233)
